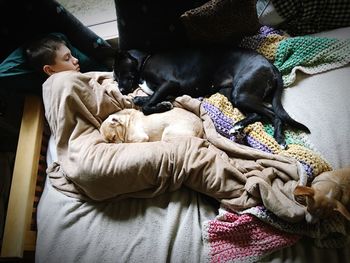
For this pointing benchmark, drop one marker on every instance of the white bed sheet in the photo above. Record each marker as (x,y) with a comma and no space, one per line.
(321,102)
(162,229)
(168,228)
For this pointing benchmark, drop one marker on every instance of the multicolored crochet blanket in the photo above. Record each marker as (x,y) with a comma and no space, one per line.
(308,54)
(260,136)
(254,233)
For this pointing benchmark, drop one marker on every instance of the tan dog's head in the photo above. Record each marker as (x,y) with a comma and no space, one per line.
(113,128)
(326,196)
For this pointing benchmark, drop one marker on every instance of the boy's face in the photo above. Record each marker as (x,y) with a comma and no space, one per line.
(63,61)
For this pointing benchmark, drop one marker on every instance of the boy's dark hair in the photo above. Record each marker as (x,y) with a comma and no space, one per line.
(42,51)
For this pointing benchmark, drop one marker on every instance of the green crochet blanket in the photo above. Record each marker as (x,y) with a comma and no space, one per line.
(311,55)
(308,54)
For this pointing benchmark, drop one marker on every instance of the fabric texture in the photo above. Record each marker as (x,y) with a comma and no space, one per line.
(260,136)
(333,55)
(255,233)
(156,25)
(329,233)
(247,239)
(308,54)
(236,175)
(221,22)
(152,25)
(168,224)
(156,221)
(312,16)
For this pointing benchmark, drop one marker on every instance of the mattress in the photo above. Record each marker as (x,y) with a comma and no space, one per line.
(170,227)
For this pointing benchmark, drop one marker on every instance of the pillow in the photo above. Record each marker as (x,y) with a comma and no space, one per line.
(17,75)
(221,22)
(152,25)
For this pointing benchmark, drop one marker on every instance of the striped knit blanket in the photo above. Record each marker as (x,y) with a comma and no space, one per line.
(307,53)
(256,232)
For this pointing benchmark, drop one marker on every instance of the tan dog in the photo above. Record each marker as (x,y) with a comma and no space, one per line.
(131,125)
(329,192)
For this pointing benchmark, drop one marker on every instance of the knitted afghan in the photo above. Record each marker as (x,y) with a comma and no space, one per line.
(259,136)
(309,54)
(214,22)
(224,237)
(255,233)
(229,237)
(247,239)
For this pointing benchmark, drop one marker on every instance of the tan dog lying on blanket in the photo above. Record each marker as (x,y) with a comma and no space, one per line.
(131,125)
(329,192)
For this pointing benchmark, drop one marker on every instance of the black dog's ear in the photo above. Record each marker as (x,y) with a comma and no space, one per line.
(126,60)
(116,65)
(138,55)
(120,55)
(119,59)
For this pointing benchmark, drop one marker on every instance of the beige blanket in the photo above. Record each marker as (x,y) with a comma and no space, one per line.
(88,168)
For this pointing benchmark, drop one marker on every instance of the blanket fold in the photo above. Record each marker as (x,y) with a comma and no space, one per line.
(222,235)
(237,175)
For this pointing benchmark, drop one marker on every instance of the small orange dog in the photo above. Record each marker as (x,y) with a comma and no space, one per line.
(131,125)
(329,192)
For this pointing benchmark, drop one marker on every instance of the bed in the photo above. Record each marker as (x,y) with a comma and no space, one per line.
(178,223)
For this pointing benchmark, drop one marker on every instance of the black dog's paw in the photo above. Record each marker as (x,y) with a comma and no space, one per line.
(166,105)
(238,133)
(283,145)
(158,108)
(281,141)
(140,100)
(237,129)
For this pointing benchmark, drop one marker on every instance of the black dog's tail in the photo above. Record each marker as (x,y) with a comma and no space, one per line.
(278,107)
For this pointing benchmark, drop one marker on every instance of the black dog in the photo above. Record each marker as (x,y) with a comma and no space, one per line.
(244,76)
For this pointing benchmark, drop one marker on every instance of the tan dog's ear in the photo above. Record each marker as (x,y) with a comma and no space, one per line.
(113,121)
(342,209)
(304,191)
(119,118)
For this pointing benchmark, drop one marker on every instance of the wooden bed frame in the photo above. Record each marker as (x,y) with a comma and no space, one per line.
(18,236)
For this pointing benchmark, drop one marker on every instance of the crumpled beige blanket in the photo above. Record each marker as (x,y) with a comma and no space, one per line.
(89,168)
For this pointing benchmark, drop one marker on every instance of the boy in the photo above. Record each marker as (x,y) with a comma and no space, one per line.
(50,55)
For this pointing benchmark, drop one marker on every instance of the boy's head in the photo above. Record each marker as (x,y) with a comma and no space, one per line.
(50,55)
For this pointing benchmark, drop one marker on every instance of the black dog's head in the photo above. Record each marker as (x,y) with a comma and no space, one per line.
(126,72)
